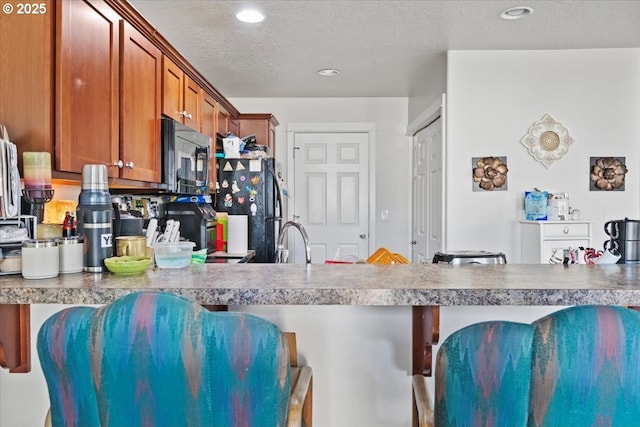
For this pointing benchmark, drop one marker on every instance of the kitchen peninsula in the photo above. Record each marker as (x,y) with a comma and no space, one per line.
(423,287)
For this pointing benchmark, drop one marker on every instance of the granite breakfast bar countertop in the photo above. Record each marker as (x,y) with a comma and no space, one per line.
(422,287)
(359,284)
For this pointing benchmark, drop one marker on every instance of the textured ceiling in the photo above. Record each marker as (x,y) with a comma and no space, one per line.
(383,48)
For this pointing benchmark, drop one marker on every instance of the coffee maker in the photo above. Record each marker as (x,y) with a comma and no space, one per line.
(624,239)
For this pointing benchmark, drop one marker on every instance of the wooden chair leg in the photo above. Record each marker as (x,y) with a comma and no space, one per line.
(300,413)
(307,420)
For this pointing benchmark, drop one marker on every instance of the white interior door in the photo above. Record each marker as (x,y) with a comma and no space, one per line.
(331,194)
(428,194)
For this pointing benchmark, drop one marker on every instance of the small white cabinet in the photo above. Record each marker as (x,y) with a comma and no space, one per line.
(540,238)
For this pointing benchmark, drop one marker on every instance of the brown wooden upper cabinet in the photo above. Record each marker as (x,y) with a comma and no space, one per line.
(141,95)
(262,125)
(108,89)
(87,85)
(89,82)
(182,97)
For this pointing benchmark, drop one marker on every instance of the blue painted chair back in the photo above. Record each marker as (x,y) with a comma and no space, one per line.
(482,376)
(579,367)
(586,368)
(157,359)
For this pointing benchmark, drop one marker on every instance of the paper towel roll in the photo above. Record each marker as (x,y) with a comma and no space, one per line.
(238,234)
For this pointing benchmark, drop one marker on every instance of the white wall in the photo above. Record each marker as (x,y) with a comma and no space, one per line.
(493,98)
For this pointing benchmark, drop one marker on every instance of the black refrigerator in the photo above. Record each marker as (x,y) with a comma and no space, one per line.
(250,187)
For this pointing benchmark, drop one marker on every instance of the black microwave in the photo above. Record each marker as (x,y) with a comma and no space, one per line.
(185,158)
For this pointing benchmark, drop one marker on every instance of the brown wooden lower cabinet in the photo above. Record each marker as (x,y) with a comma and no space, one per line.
(15,337)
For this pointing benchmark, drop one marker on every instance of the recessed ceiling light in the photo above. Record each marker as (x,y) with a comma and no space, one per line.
(328,72)
(250,16)
(518,12)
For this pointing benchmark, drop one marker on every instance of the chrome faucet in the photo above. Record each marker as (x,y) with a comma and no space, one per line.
(281,252)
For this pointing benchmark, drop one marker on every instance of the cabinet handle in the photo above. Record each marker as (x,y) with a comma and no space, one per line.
(188,115)
(129,165)
(565,230)
(118,164)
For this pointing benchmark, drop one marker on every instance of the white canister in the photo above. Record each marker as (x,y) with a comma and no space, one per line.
(40,259)
(559,207)
(70,249)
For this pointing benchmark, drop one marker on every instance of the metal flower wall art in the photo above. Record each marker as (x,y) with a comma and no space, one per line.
(607,173)
(489,173)
(547,141)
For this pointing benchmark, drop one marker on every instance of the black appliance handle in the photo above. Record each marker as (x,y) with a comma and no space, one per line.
(277,190)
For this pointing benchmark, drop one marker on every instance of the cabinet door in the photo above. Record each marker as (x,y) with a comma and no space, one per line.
(209,116)
(87,85)
(140,146)
(234,127)
(192,104)
(172,89)
(26,74)
(223,120)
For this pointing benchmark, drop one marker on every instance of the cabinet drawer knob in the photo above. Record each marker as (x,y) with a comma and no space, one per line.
(129,165)
(566,230)
(118,164)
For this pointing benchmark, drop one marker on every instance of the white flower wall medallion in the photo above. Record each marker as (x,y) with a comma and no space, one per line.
(547,141)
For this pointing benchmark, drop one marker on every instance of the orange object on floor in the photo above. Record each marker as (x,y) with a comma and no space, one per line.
(384,256)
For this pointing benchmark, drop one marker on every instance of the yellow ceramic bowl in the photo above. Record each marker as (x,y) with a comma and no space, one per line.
(127,265)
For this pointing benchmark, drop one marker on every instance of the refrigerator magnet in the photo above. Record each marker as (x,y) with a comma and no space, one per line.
(254,209)
(228,200)
(243,178)
(255,180)
(240,166)
(241,200)
(225,184)
(255,165)
(234,187)
(227,167)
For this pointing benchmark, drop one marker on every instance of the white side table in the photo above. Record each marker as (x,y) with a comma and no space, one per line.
(540,238)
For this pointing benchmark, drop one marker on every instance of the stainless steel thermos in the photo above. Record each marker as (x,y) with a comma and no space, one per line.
(94,218)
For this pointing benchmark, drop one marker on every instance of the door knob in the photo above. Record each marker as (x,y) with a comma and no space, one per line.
(363,236)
